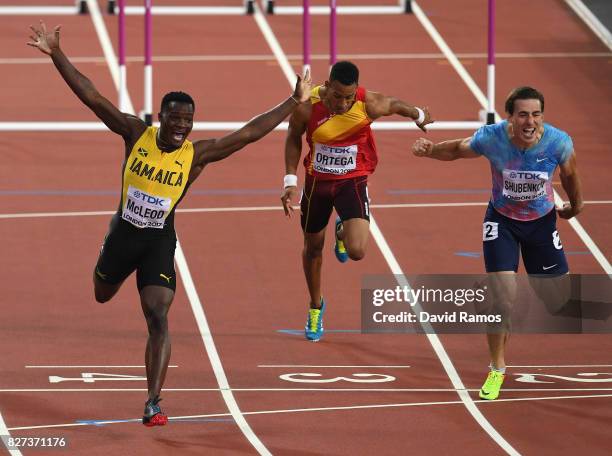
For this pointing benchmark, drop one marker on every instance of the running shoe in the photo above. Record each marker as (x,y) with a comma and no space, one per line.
(153,416)
(492,385)
(339,248)
(314,324)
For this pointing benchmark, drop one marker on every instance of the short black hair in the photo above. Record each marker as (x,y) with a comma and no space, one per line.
(345,73)
(523,93)
(180,97)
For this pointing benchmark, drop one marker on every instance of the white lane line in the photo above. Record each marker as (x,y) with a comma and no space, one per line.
(87,367)
(4,432)
(564,365)
(450,56)
(432,337)
(586,239)
(482,99)
(275,46)
(437,345)
(213,355)
(254,209)
(320,409)
(591,21)
(312,365)
(282,390)
(107,48)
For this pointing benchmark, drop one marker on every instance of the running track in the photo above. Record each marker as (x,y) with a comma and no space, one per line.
(245,265)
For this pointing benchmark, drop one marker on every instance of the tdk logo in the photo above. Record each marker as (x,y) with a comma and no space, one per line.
(149,199)
(528,175)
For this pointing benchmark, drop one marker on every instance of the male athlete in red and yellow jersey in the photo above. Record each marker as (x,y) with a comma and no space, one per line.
(342,153)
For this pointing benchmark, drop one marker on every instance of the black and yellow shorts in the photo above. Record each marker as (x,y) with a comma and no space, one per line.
(127,249)
(348,196)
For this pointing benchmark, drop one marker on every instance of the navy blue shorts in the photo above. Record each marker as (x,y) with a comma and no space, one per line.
(538,240)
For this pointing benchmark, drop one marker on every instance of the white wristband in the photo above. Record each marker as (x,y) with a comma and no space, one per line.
(290,180)
(421,117)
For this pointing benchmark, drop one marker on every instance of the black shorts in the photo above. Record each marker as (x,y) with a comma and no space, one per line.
(538,240)
(348,196)
(127,249)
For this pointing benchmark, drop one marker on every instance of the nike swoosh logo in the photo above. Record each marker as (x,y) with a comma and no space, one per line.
(549,267)
(167,279)
(540,160)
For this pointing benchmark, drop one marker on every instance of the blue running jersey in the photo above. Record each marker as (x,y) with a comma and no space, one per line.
(522,180)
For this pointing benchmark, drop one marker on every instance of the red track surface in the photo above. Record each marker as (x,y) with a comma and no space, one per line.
(246,265)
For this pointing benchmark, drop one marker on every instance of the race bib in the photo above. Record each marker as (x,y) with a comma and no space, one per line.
(335,159)
(144,210)
(524,185)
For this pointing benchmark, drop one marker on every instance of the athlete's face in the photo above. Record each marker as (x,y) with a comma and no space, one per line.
(526,122)
(176,122)
(339,98)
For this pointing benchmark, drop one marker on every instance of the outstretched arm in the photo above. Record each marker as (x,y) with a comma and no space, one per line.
(570,181)
(211,150)
(123,124)
(293,151)
(445,151)
(379,105)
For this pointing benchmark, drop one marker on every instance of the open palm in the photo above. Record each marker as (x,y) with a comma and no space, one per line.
(43,40)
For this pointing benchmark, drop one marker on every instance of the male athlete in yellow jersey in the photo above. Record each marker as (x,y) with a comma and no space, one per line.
(159,166)
(342,154)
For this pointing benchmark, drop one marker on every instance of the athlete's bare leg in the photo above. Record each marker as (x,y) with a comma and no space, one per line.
(312,260)
(104,291)
(503,287)
(155,302)
(355,234)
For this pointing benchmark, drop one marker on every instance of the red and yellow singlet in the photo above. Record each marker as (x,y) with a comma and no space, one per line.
(341,146)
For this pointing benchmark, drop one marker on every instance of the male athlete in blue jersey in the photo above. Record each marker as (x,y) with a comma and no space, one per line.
(524,153)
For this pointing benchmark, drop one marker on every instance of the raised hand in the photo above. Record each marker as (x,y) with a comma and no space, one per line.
(303,86)
(45,41)
(422,147)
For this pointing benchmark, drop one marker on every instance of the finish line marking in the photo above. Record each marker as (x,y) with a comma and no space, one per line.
(320,409)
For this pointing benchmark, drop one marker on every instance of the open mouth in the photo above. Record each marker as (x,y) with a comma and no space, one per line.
(178,136)
(529,132)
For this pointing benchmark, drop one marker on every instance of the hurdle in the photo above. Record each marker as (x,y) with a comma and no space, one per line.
(247,9)
(403,7)
(119,9)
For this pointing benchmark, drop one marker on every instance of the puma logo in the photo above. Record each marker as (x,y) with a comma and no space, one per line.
(99,274)
(179,163)
(165,277)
